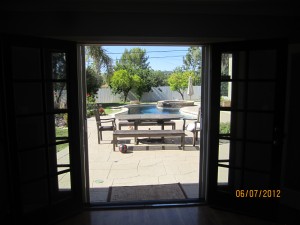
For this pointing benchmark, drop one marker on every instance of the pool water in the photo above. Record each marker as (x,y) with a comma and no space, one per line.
(152,109)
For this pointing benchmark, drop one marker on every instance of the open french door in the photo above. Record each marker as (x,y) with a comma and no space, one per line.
(247,117)
(41,111)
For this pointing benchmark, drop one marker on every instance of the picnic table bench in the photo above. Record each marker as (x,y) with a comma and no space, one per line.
(148,133)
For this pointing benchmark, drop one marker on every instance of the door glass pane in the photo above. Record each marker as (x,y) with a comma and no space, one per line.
(35,195)
(255,180)
(33,164)
(231,152)
(260,126)
(64,182)
(224,147)
(258,156)
(262,64)
(226,66)
(229,179)
(224,128)
(238,95)
(261,96)
(30,132)
(223,175)
(26,63)
(28,98)
(235,179)
(239,69)
(237,126)
(61,187)
(236,154)
(60,95)
(61,130)
(59,66)
(62,154)
(60,168)
(58,129)
(226,89)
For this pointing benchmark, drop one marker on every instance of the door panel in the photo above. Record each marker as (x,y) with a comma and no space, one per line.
(5,187)
(245,146)
(40,76)
(290,207)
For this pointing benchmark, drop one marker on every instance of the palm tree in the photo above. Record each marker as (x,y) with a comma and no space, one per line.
(100,60)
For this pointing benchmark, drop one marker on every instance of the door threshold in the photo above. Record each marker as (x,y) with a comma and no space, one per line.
(145,204)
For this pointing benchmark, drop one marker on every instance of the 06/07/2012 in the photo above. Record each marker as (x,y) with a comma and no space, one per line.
(257,193)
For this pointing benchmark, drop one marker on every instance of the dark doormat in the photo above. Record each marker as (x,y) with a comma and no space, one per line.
(146,192)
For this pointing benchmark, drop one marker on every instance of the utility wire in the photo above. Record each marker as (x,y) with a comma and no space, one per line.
(148,51)
(154,57)
(159,57)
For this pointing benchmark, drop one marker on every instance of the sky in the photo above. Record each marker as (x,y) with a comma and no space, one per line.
(160,57)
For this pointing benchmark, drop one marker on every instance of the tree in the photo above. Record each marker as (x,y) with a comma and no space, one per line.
(159,78)
(93,81)
(193,62)
(101,60)
(145,82)
(122,82)
(225,72)
(59,72)
(135,62)
(135,58)
(178,81)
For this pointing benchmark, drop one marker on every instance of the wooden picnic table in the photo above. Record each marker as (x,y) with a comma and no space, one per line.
(140,118)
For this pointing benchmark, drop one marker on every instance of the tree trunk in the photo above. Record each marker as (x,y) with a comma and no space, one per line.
(181,93)
(125,97)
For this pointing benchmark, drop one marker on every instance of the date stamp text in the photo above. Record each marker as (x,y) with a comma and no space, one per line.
(259,193)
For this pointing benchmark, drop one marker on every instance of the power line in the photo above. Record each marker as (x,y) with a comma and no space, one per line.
(148,52)
(158,57)
(154,57)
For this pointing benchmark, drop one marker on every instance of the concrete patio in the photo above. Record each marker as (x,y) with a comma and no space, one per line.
(143,164)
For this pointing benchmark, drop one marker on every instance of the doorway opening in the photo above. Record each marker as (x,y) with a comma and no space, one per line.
(123,80)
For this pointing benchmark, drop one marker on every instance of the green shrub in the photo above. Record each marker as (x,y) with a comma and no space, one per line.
(224,128)
(66,118)
(61,132)
(90,105)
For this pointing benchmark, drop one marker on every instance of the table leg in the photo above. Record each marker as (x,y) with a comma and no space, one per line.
(162,127)
(114,142)
(182,142)
(136,128)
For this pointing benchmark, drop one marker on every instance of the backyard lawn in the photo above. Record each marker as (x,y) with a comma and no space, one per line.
(61,132)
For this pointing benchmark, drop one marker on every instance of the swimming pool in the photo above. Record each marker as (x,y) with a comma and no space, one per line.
(152,109)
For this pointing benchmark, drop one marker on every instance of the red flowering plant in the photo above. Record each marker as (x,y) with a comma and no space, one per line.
(101,111)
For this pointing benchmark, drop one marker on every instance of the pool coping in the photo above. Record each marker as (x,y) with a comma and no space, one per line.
(189,110)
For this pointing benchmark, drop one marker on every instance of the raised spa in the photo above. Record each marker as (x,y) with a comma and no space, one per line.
(174,103)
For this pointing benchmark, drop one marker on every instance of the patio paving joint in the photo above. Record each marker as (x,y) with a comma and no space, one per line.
(137,166)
